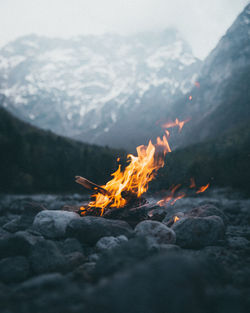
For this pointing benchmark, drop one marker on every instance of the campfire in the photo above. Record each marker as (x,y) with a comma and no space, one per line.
(128,185)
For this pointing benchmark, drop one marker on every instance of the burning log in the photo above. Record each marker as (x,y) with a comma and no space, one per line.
(90,185)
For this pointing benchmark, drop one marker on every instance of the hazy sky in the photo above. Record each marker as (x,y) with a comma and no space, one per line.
(202,22)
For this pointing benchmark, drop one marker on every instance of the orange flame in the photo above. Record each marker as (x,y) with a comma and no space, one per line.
(171,198)
(176,218)
(192,183)
(134,179)
(203,188)
(178,123)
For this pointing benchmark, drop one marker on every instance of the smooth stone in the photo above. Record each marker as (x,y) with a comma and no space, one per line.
(46,257)
(88,230)
(160,233)
(198,232)
(14,269)
(110,242)
(53,224)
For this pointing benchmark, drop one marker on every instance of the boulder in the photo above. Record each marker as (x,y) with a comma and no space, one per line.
(45,257)
(14,269)
(53,224)
(162,283)
(90,229)
(110,242)
(198,232)
(158,232)
(19,243)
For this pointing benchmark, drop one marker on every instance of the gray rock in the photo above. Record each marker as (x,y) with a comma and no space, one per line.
(198,232)
(162,283)
(46,257)
(42,281)
(74,259)
(14,269)
(53,224)
(238,243)
(207,210)
(89,229)
(71,245)
(160,233)
(110,242)
(19,243)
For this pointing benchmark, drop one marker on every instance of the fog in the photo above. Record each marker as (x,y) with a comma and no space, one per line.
(202,23)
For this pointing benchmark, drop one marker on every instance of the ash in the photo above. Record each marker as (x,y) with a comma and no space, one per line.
(53,260)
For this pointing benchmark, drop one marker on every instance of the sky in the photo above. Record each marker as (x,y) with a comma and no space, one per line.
(201,22)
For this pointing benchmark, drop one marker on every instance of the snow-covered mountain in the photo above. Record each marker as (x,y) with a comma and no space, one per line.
(88,86)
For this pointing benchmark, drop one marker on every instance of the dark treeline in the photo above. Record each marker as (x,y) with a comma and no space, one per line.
(222,162)
(34,160)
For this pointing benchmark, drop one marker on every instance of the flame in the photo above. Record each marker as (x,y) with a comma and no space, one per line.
(176,218)
(192,183)
(171,199)
(203,188)
(178,123)
(134,179)
(118,159)
(190,97)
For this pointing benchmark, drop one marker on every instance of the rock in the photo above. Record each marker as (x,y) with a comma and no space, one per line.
(238,243)
(160,284)
(71,245)
(14,269)
(74,259)
(207,210)
(110,242)
(49,293)
(53,224)
(125,255)
(43,281)
(19,243)
(198,232)
(89,229)
(45,257)
(20,223)
(160,233)
(84,272)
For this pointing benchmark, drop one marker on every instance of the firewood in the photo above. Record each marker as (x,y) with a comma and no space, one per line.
(90,185)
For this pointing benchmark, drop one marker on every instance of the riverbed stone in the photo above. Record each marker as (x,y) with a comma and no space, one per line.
(53,224)
(198,232)
(158,232)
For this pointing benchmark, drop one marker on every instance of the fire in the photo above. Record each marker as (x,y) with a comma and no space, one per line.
(203,188)
(192,183)
(134,179)
(171,199)
(190,97)
(178,123)
(176,218)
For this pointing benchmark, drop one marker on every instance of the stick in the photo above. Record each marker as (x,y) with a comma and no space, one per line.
(90,185)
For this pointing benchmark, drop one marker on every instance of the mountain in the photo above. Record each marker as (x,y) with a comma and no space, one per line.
(222,100)
(33,160)
(97,88)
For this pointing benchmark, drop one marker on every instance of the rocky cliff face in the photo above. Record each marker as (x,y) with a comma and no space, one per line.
(221,102)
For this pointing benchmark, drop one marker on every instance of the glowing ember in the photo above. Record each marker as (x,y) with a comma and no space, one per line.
(118,159)
(176,218)
(203,188)
(190,98)
(178,123)
(192,183)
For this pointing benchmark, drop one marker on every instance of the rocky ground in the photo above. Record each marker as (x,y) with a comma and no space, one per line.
(56,261)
